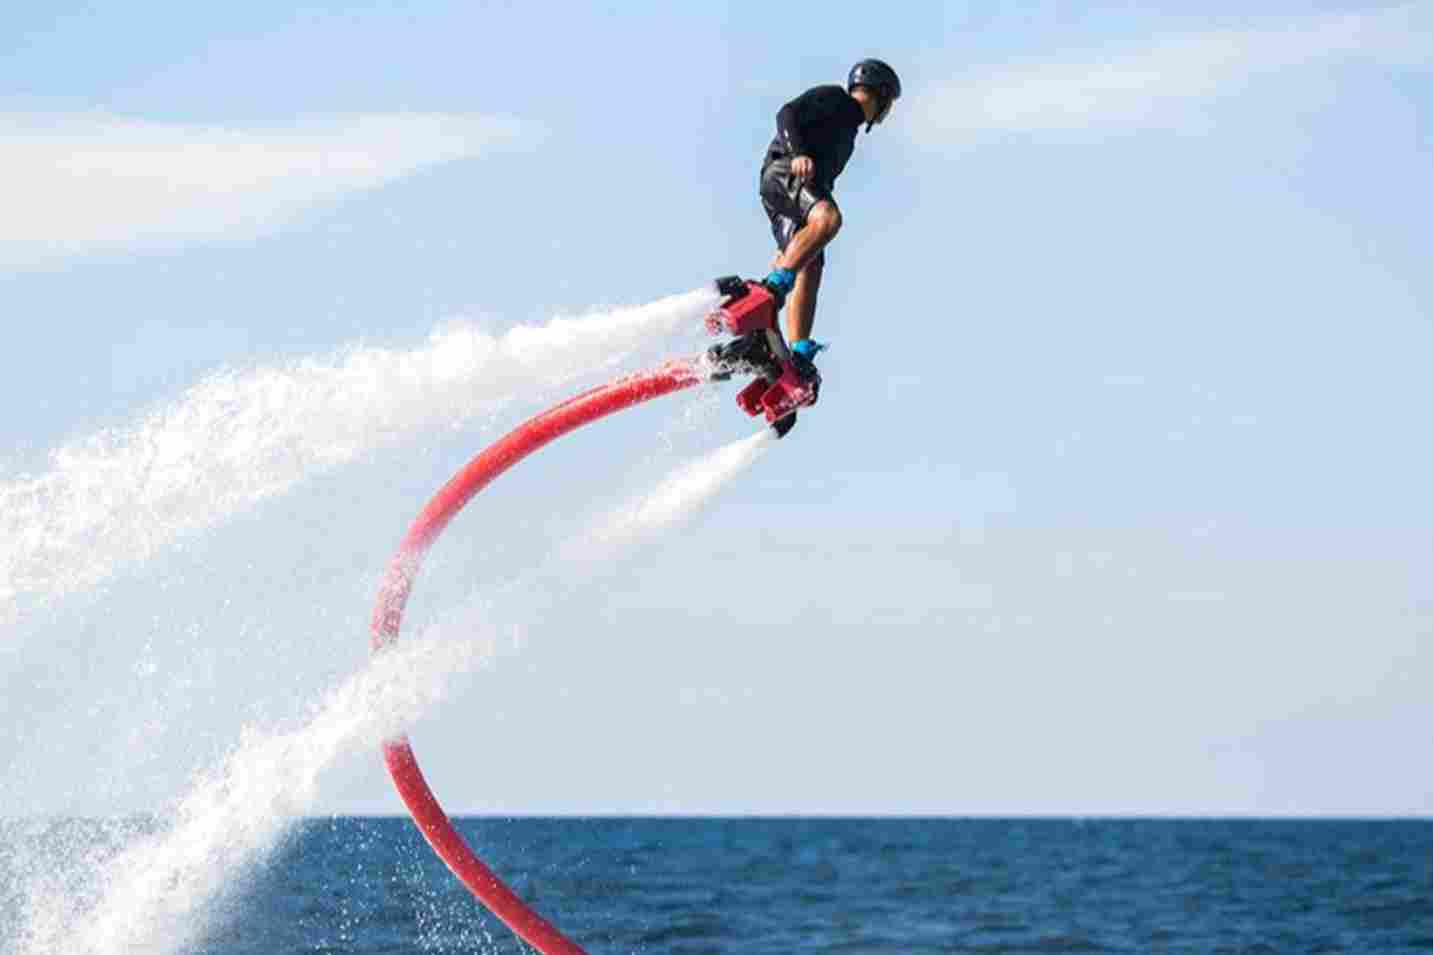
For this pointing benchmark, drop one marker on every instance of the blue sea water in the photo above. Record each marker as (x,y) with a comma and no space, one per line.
(868,886)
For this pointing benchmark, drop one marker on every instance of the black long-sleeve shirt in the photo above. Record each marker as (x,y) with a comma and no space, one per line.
(820,123)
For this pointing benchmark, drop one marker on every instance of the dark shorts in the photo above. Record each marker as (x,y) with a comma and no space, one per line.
(787,200)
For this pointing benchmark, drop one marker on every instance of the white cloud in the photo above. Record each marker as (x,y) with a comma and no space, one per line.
(1148,86)
(82,182)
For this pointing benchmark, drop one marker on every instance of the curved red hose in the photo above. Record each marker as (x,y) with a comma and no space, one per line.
(502,454)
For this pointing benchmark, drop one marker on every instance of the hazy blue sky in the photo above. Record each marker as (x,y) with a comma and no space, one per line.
(1116,499)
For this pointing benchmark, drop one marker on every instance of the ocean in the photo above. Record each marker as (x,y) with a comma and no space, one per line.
(662,886)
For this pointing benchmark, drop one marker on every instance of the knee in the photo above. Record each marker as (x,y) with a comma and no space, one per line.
(826,218)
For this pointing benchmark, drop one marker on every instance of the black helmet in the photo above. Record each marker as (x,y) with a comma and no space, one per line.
(878,76)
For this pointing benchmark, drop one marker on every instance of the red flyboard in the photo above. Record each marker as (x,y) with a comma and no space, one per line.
(749,310)
(747,307)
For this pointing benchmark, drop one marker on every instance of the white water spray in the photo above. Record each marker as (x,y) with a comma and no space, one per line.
(157,894)
(122,496)
(229,442)
(676,498)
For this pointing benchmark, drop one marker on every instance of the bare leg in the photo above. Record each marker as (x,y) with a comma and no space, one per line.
(801,304)
(822,224)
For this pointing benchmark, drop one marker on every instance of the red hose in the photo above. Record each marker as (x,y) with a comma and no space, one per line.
(434,823)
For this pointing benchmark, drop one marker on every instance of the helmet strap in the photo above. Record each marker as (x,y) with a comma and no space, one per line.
(884,102)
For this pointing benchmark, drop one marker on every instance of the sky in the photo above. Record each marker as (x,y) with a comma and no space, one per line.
(1115,500)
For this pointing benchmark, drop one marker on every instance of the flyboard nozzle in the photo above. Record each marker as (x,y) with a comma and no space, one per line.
(746,307)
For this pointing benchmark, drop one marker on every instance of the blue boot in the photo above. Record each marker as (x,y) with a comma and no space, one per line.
(780,282)
(808,348)
(803,351)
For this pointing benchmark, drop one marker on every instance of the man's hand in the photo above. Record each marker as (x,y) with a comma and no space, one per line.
(802,167)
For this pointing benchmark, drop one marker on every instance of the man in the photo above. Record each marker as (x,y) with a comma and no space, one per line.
(815,136)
